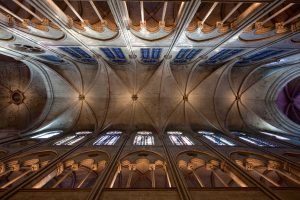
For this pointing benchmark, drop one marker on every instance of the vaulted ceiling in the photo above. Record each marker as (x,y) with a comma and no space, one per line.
(95,65)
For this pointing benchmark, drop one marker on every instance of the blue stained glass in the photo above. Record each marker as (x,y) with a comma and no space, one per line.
(254,140)
(115,55)
(261,55)
(156,53)
(81,52)
(119,53)
(177,138)
(193,53)
(51,58)
(108,53)
(222,55)
(257,141)
(110,138)
(69,51)
(186,55)
(145,53)
(219,140)
(182,53)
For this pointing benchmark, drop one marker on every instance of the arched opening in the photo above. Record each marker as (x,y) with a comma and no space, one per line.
(201,170)
(267,170)
(17,169)
(142,169)
(79,171)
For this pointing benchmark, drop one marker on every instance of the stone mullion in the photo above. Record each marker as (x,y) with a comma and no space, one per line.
(181,186)
(44,171)
(100,184)
(232,164)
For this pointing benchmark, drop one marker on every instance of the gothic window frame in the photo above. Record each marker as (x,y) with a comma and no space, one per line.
(144,138)
(72,139)
(275,135)
(216,139)
(47,134)
(108,139)
(254,140)
(179,139)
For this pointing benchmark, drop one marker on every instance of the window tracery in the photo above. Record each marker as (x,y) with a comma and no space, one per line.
(216,139)
(73,139)
(46,135)
(254,140)
(79,54)
(186,55)
(143,138)
(150,55)
(276,136)
(115,55)
(177,138)
(69,140)
(110,138)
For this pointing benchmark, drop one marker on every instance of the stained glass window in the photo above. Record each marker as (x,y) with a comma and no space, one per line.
(257,141)
(186,55)
(83,132)
(110,138)
(150,55)
(48,134)
(143,138)
(277,136)
(223,55)
(69,140)
(79,54)
(254,140)
(114,54)
(216,139)
(177,138)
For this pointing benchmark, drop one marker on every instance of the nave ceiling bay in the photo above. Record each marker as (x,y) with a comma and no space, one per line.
(133,65)
(74,96)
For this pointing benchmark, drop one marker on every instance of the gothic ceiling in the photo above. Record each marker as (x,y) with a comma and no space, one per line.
(94,65)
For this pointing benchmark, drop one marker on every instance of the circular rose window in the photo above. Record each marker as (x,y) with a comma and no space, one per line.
(288,100)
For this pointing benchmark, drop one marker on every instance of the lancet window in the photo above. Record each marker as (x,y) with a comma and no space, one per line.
(216,139)
(177,138)
(276,136)
(79,171)
(46,135)
(203,170)
(141,170)
(143,138)
(110,138)
(267,170)
(72,139)
(254,140)
(17,169)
